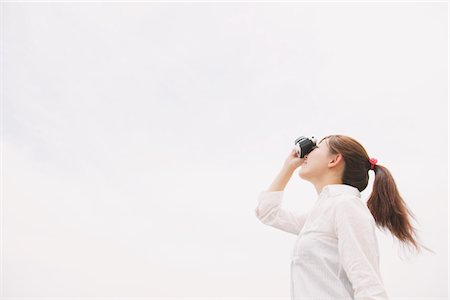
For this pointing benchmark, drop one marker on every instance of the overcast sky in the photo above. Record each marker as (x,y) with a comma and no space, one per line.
(136,138)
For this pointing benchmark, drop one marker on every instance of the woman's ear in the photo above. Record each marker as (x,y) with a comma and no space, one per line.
(335,160)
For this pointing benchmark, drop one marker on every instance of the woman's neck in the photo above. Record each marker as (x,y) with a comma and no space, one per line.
(320,185)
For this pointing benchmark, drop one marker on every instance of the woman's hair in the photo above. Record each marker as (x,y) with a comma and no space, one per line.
(385,203)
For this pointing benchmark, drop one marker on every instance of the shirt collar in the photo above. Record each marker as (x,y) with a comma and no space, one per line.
(337,189)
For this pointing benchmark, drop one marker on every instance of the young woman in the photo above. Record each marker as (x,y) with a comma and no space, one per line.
(336,253)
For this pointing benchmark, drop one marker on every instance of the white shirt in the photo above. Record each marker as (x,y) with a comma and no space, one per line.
(336,252)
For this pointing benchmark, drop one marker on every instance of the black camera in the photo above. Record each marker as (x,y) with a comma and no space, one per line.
(304,145)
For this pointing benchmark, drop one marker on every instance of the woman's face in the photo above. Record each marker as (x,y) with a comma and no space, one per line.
(316,162)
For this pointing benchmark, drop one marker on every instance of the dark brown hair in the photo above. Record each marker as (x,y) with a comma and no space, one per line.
(385,203)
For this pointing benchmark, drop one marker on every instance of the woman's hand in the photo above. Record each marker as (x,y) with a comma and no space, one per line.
(293,161)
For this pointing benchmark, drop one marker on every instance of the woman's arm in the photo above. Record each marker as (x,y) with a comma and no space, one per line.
(282,179)
(269,209)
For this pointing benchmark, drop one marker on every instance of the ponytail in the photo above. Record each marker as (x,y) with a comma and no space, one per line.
(390,210)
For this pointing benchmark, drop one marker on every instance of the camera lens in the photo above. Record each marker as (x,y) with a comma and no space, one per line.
(305,145)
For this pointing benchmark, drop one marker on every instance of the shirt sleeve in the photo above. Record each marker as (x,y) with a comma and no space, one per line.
(270,212)
(358,250)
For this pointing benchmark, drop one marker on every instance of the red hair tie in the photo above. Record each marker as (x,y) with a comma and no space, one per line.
(373,162)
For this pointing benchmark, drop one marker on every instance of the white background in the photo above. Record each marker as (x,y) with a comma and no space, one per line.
(137,136)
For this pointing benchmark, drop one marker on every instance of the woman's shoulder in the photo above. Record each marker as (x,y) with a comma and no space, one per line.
(347,199)
(344,202)
(351,206)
